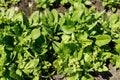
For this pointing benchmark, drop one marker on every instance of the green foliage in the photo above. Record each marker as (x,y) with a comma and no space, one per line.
(7,3)
(102,40)
(111,4)
(74,43)
(44,3)
(71,1)
(83,47)
(24,48)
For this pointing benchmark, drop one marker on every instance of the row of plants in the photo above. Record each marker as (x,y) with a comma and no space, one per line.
(7,3)
(42,4)
(111,4)
(45,44)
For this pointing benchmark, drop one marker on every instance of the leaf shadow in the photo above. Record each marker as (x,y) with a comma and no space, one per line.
(102,75)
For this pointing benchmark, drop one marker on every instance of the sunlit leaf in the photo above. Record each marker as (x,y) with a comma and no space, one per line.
(35,33)
(118,48)
(34,18)
(102,40)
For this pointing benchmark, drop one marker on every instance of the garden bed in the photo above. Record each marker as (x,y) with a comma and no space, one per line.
(29,6)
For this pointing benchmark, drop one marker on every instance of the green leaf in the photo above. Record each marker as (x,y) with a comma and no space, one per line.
(3,55)
(19,72)
(87,58)
(118,63)
(49,17)
(35,33)
(117,47)
(56,46)
(10,13)
(1,49)
(62,21)
(115,61)
(55,14)
(96,65)
(36,78)
(80,54)
(87,77)
(65,38)
(34,18)
(104,68)
(88,3)
(102,40)
(32,64)
(99,14)
(2,70)
(106,55)
(73,77)
(83,38)
(19,17)
(69,48)
(77,15)
(63,2)
(17,30)
(114,9)
(46,65)
(68,29)
(57,64)
(116,40)
(114,18)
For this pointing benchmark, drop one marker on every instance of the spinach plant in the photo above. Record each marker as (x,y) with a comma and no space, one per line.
(74,43)
(84,45)
(115,32)
(24,48)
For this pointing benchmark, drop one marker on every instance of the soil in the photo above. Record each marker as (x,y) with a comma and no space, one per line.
(29,6)
(99,7)
(112,74)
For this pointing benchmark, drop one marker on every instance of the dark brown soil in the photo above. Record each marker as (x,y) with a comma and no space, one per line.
(97,4)
(24,5)
(112,74)
(27,6)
